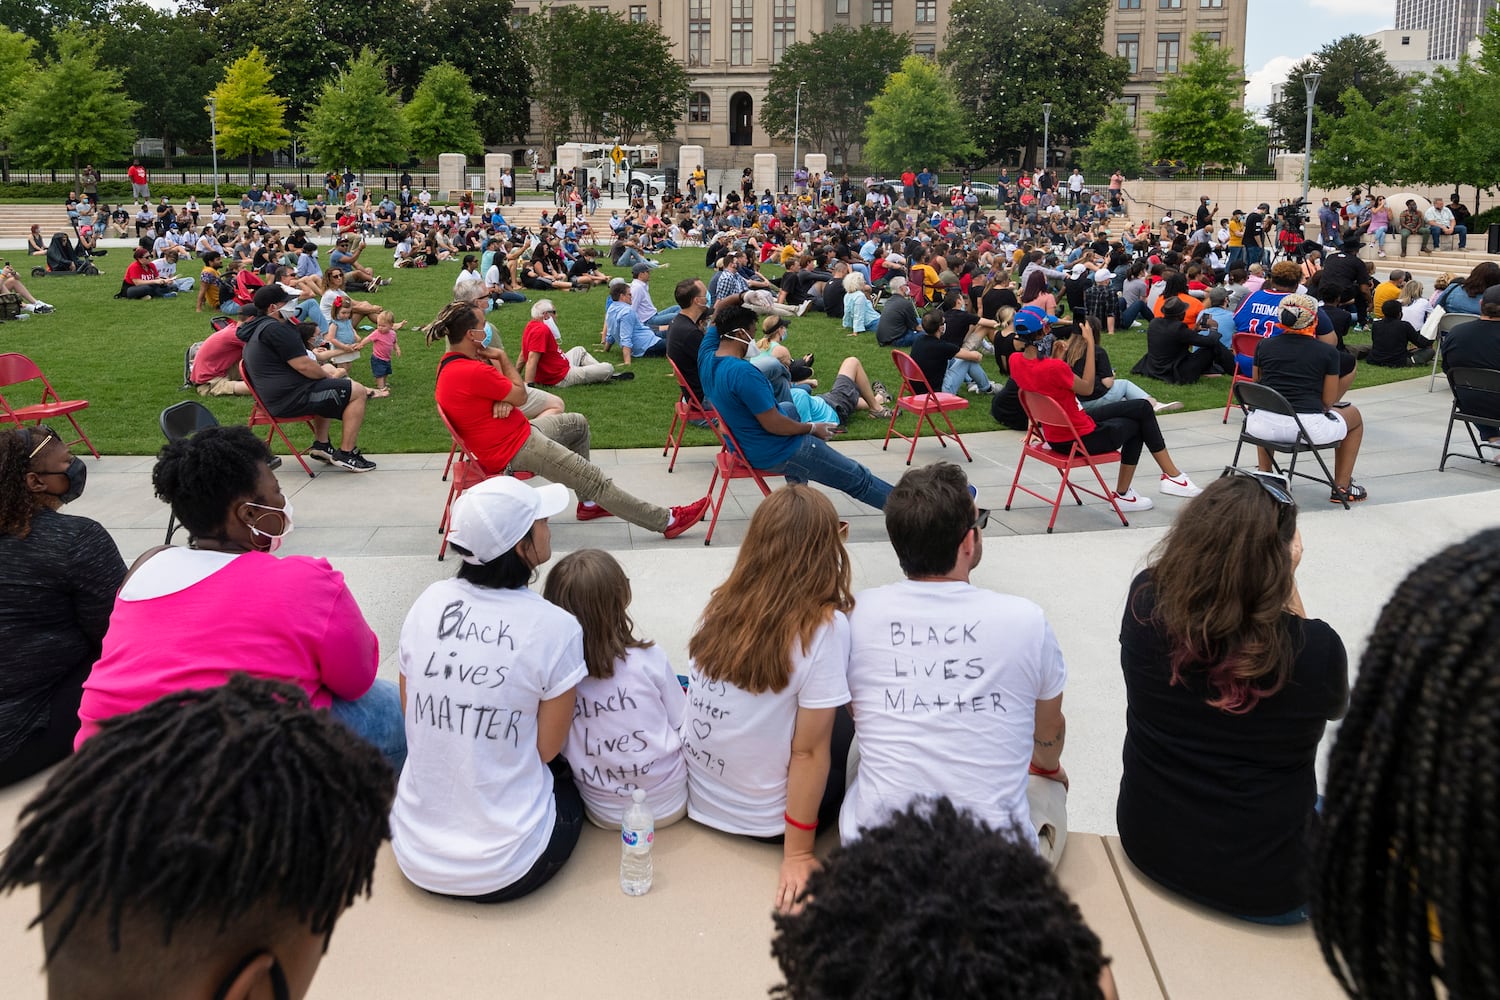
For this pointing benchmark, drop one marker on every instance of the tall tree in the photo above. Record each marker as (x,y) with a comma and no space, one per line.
(476,37)
(1350,61)
(16,71)
(138,37)
(1357,150)
(74,109)
(1009,57)
(250,115)
(357,122)
(39,20)
(440,115)
(1113,146)
(915,121)
(1198,117)
(841,70)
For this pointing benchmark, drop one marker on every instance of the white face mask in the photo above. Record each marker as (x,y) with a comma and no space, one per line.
(286,524)
(552,325)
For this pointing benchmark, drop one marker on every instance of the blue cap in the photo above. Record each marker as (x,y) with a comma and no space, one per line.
(1031,319)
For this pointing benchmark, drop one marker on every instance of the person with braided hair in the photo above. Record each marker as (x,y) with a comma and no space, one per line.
(482,394)
(992,921)
(233,606)
(204,845)
(1229,687)
(1408,853)
(58,577)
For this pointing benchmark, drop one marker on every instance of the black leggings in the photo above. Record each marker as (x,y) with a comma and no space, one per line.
(50,744)
(147,291)
(559,848)
(1124,427)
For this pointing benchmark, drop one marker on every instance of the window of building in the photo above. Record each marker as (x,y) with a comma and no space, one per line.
(927,50)
(1132,106)
(518,15)
(699,108)
(880,11)
(637,13)
(700,31)
(741,32)
(783,27)
(1217,37)
(599,9)
(1130,4)
(1211,3)
(1128,47)
(1405,39)
(841,8)
(927,11)
(1171,4)
(1168,48)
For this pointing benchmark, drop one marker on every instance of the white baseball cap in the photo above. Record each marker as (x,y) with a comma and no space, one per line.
(491,518)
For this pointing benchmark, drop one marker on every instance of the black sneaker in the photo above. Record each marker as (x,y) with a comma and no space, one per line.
(624,376)
(321,451)
(353,461)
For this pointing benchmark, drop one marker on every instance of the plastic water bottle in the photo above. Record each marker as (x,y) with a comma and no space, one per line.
(637,832)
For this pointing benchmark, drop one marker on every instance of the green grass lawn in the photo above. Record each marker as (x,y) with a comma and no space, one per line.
(125,357)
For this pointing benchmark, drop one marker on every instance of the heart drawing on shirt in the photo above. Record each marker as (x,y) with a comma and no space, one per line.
(701,729)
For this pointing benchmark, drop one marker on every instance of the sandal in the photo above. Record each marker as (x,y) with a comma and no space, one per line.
(1353,493)
(380,393)
(884,413)
(879,389)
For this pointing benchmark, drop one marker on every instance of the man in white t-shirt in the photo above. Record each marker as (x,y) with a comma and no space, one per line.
(956,690)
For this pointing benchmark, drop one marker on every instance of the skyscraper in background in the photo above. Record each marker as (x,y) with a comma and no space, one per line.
(1451,24)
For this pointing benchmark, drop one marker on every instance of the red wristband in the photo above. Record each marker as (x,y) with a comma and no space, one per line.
(1043,772)
(799,826)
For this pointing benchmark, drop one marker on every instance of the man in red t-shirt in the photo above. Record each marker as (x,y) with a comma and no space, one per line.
(1125,426)
(545,363)
(481,393)
(218,356)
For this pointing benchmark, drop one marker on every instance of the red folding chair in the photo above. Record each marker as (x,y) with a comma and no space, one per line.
(729,464)
(261,417)
(688,408)
(1243,345)
(466,472)
(1043,413)
(16,369)
(924,405)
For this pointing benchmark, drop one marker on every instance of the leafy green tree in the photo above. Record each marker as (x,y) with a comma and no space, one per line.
(842,70)
(916,120)
(16,71)
(1357,150)
(250,115)
(1350,61)
(440,115)
(138,39)
(74,109)
(357,122)
(491,57)
(1198,118)
(39,20)
(1009,57)
(1113,146)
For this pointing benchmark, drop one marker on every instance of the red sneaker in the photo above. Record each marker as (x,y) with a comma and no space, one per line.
(684,518)
(589,513)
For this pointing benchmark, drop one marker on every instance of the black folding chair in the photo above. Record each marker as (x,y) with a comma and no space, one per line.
(1482,387)
(181,421)
(1254,396)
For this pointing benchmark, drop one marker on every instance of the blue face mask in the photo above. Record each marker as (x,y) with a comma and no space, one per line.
(489,334)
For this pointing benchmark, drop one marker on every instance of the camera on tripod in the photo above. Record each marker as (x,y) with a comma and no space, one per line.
(1292,215)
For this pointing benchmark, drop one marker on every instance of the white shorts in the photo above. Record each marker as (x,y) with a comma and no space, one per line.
(1323,428)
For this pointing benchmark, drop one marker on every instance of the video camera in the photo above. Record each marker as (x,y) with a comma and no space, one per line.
(1292,215)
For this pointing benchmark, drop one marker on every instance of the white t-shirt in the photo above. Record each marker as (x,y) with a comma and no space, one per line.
(474,807)
(945,678)
(738,745)
(624,737)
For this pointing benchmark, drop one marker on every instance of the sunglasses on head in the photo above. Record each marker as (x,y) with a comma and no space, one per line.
(1274,483)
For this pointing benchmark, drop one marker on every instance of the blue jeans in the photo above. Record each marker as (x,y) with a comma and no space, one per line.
(960,371)
(1236,256)
(230,308)
(664,317)
(1252,255)
(780,379)
(1136,310)
(911,337)
(376,717)
(308,311)
(630,258)
(1123,389)
(818,462)
(1462,232)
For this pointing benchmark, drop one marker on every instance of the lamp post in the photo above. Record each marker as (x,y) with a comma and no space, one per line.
(1046,130)
(213,125)
(797,126)
(1309,81)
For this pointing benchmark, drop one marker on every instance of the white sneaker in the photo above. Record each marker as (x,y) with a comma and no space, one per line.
(802,309)
(1182,486)
(1131,500)
(1172,407)
(974,390)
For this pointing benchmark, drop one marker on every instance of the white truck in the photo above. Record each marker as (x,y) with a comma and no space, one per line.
(626,167)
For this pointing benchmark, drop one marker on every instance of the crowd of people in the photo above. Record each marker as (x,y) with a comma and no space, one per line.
(922,717)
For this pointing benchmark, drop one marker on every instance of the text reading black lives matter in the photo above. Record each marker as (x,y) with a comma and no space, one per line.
(937,668)
(467,662)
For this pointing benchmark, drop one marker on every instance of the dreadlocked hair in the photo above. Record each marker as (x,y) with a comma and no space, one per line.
(966,911)
(1408,841)
(452,323)
(16,502)
(202,808)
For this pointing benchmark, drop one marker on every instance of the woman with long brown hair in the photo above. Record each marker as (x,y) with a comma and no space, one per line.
(1229,687)
(767,682)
